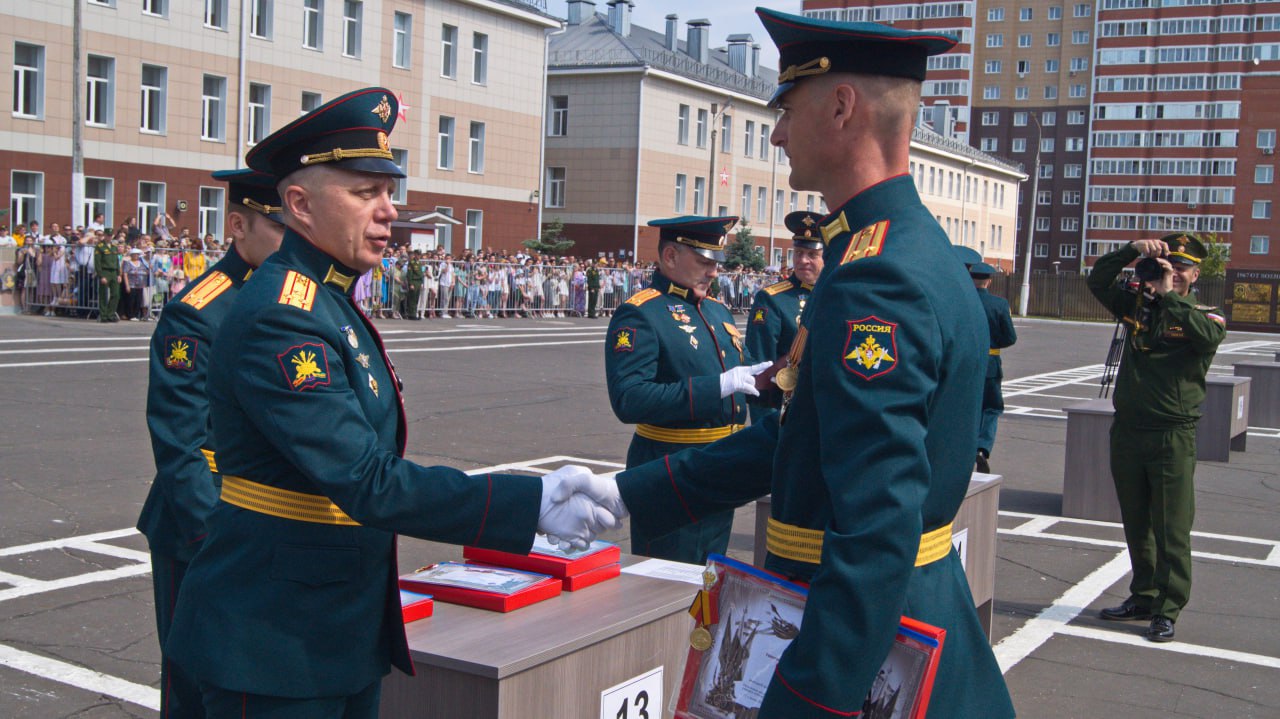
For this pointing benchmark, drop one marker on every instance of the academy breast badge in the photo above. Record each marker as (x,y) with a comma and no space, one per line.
(871,348)
(180,353)
(623,339)
(305,366)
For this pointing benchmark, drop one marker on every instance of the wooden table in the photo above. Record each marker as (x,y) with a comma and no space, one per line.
(550,659)
(973,532)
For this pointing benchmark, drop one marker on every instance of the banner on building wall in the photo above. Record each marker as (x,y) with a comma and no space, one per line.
(1251,300)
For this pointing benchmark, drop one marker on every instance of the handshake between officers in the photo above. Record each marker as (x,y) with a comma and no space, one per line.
(290,606)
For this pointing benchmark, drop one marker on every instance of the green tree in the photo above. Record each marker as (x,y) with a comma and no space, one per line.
(1215,264)
(741,252)
(552,241)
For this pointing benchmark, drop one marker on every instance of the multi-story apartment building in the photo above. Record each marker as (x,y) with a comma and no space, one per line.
(173,90)
(642,124)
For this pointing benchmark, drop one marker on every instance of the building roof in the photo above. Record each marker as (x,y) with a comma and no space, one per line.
(928,138)
(592,44)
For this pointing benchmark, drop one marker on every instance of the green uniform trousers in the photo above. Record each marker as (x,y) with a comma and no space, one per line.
(411,303)
(179,693)
(108,297)
(224,704)
(1154,473)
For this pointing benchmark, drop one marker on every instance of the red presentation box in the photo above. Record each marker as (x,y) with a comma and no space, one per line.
(415,606)
(545,559)
(497,589)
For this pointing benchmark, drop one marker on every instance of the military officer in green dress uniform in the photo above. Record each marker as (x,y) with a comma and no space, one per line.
(775,313)
(185,487)
(871,455)
(593,289)
(1003,335)
(290,608)
(1170,345)
(414,278)
(106,267)
(675,367)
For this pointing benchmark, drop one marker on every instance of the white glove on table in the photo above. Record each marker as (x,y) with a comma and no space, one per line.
(742,379)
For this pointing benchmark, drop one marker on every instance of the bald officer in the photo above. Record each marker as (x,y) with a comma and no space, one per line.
(775,313)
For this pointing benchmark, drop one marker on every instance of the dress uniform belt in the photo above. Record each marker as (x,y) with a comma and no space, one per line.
(208,457)
(801,544)
(686,436)
(994,352)
(285,503)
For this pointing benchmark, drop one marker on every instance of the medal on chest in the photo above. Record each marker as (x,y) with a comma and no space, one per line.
(350,332)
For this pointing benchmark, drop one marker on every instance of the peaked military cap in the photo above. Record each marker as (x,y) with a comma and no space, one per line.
(255,190)
(981,270)
(967,255)
(809,47)
(1185,249)
(348,132)
(805,229)
(704,234)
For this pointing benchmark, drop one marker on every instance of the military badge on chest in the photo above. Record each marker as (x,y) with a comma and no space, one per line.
(804,299)
(734,335)
(679,314)
(872,347)
(352,339)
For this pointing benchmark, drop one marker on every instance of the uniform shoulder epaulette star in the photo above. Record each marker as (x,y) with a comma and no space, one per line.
(208,289)
(779,287)
(298,291)
(643,296)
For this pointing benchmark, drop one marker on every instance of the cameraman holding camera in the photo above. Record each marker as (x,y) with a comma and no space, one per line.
(1170,344)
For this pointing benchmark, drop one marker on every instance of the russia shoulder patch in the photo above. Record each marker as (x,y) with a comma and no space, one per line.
(871,349)
(180,353)
(305,366)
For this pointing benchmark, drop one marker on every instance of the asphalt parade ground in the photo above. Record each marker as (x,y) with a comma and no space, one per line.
(77,632)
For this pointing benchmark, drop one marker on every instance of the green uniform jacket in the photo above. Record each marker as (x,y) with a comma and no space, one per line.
(303,398)
(185,487)
(1000,324)
(664,356)
(877,448)
(771,328)
(414,276)
(106,263)
(593,278)
(1160,384)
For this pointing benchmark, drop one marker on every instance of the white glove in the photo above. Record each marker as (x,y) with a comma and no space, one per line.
(742,379)
(570,514)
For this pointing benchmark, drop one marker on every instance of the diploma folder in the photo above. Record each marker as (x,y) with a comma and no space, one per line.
(546,559)
(497,589)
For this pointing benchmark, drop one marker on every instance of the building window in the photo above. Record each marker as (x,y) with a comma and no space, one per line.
(476,155)
(764,141)
(1024,39)
(213,109)
(1079,64)
(28,80)
(1042,249)
(989,144)
(1024,14)
(155,82)
(1267,139)
(995,14)
(26,197)
(310,101)
(1078,90)
(215,16)
(1070,197)
(1044,197)
(701,127)
(1042,224)
(100,91)
(748,139)
(352,24)
(1051,66)
(1080,37)
(1083,9)
(559,120)
(993,67)
(1052,39)
(159,8)
(1051,92)
(1067,252)
(444,230)
(97,199)
(210,212)
(1262,209)
(1075,144)
(1259,245)
(479,58)
(448,51)
(475,229)
(444,144)
(794,202)
(1018,145)
(260,13)
(150,202)
(1073,171)
(762,203)
(745,207)
(995,39)
(1071,224)
(1021,92)
(1264,174)
(313,24)
(1055,12)
(682,125)
(1019,119)
(1046,172)
(1024,67)
(402,41)
(1075,117)
(777,206)
(1049,118)
(990,118)
(991,92)
(699,192)
(259,112)
(682,185)
(400,194)
(555,186)
(726,133)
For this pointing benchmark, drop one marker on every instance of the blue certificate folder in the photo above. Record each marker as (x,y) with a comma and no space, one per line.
(753,615)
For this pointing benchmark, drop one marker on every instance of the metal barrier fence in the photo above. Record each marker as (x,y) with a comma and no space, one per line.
(1067,296)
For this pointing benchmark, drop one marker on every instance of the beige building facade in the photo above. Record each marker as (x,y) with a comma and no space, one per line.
(172,90)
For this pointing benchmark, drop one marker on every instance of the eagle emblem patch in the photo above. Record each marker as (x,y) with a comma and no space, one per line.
(624,339)
(871,349)
(758,317)
(305,366)
(180,353)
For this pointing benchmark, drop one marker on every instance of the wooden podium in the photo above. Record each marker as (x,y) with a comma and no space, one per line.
(1224,418)
(550,659)
(973,533)
(1264,392)
(1088,491)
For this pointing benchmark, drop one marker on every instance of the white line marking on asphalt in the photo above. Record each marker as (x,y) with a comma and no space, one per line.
(402,341)
(106,575)
(404,350)
(1198,650)
(71,362)
(79,677)
(60,543)
(1032,635)
(67,350)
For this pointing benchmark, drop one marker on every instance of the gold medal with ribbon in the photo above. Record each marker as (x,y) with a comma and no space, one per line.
(788,378)
(703,611)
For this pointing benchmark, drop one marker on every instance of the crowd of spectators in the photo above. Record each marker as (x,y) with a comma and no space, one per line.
(53,274)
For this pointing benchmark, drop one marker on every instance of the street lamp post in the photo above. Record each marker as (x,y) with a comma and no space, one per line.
(712,177)
(1024,297)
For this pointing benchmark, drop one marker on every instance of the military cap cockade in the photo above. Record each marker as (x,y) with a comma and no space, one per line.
(1185,249)
(805,228)
(348,132)
(255,190)
(967,255)
(809,47)
(981,270)
(706,235)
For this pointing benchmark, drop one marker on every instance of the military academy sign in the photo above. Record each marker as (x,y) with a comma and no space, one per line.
(1252,299)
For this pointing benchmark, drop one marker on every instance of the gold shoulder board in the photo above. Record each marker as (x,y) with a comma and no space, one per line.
(643,296)
(866,242)
(209,288)
(782,286)
(298,291)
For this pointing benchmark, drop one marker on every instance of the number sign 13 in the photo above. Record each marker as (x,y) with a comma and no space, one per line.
(637,698)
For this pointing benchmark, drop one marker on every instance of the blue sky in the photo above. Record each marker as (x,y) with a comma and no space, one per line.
(727,17)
